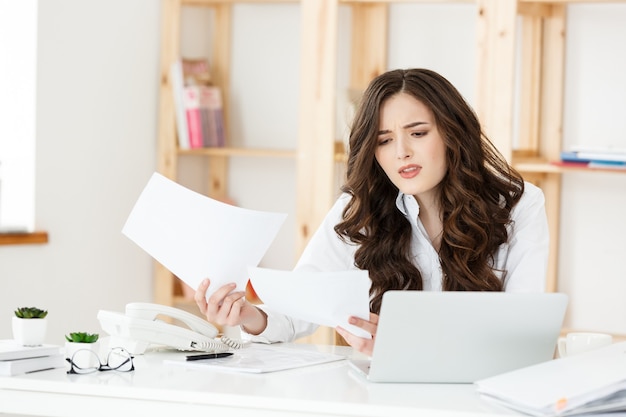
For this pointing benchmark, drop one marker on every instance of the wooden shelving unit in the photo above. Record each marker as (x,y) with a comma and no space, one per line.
(542,43)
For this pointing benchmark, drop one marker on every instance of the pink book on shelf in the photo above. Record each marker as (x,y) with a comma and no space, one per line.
(208,125)
(212,101)
(194,117)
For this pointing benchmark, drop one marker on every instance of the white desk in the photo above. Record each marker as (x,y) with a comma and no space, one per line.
(158,389)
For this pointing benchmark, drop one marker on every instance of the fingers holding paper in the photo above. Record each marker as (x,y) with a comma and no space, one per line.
(229,307)
(223,307)
(361,344)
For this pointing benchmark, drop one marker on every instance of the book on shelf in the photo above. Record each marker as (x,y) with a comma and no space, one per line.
(597,156)
(27,365)
(11,350)
(178,86)
(196,71)
(193,112)
(211,108)
(584,384)
(199,108)
(590,165)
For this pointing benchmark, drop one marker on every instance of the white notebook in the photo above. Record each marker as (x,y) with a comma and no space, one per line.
(10,350)
(26,365)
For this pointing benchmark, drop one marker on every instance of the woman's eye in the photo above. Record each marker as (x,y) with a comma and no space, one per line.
(419,134)
(384,141)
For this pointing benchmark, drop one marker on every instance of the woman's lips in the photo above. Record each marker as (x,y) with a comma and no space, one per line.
(409,171)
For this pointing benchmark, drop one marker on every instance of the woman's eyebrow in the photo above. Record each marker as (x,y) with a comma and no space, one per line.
(414,124)
(407,126)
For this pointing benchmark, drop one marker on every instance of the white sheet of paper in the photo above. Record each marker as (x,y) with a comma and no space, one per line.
(325,298)
(196,237)
(260,358)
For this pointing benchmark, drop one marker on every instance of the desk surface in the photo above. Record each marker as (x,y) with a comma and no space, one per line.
(331,389)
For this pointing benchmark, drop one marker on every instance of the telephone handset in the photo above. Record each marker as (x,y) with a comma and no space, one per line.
(141,327)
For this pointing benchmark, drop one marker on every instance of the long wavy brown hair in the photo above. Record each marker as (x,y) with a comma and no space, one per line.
(477,193)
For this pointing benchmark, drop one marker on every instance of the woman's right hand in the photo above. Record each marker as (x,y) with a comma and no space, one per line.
(227,307)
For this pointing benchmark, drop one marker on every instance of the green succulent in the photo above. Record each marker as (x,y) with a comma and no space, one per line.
(82,337)
(30,313)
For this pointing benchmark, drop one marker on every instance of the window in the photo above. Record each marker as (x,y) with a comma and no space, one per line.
(18,70)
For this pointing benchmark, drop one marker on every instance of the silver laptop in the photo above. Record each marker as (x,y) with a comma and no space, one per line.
(460,337)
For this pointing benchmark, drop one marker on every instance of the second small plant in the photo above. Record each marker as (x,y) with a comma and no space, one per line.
(82,337)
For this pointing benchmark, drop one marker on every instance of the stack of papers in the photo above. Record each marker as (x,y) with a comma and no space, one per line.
(587,383)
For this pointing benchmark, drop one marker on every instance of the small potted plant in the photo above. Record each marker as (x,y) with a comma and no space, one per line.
(82,337)
(29,326)
(83,349)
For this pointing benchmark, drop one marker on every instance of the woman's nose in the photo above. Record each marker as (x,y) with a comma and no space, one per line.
(402,150)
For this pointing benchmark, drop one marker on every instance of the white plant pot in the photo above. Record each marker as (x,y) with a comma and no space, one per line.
(84,355)
(29,332)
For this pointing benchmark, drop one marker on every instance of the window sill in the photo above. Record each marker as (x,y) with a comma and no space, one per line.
(23,238)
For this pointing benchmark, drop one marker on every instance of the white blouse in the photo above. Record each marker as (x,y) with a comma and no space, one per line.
(524,257)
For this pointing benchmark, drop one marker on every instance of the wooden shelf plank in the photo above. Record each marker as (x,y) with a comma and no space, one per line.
(407,1)
(549,168)
(227,151)
(573,1)
(340,153)
(217,2)
(23,238)
(227,2)
(535,4)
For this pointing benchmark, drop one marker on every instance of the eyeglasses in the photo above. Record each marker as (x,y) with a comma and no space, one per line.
(85,361)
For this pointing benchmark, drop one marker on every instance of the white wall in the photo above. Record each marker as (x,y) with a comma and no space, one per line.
(593,225)
(97,105)
(96,127)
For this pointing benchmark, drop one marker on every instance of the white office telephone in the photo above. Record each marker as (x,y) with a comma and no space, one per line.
(140,327)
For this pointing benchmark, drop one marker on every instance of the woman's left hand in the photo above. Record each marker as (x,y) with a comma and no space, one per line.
(361,344)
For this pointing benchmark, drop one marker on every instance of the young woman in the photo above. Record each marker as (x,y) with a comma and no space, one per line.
(429,204)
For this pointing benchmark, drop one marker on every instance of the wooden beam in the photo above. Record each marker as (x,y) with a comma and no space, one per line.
(534,9)
(368,43)
(496,70)
(30,238)
(221,37)
(553,74)
(552,127)
(166,141)
(530,89)
(317,122)
(170,51)
(315,172)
